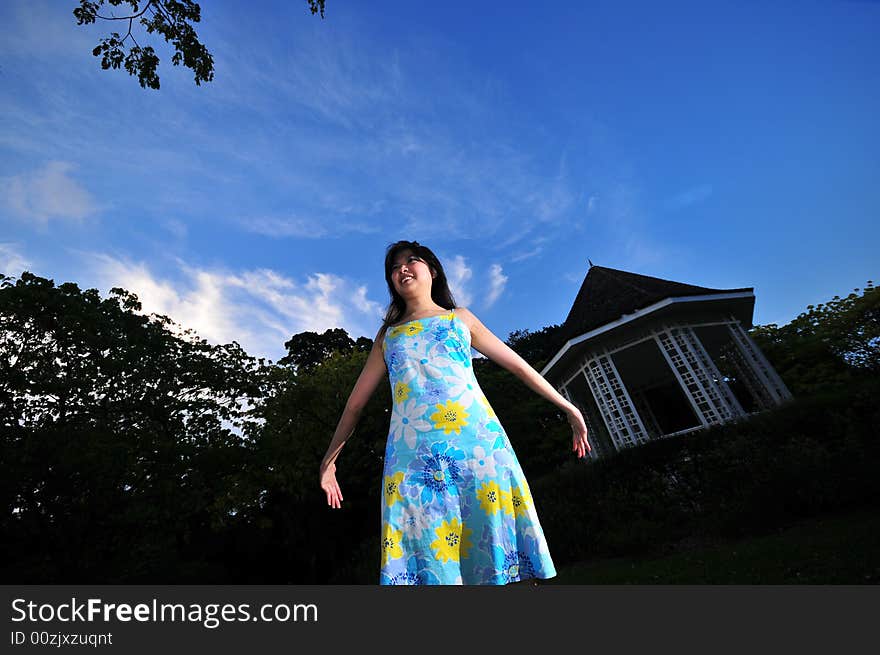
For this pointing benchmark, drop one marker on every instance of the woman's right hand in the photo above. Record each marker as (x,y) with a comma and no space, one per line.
(330,485)
(580,444)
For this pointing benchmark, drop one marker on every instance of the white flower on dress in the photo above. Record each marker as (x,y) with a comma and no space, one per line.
(483,433)
(462,390)
(407,374)
(502,457)
(407,421)
(483,465)
(434,365)
(413,521)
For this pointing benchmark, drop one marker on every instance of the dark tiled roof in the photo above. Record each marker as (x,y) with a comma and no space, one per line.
(607,294)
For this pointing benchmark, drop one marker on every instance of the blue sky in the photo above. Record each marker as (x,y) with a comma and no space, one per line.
(719,144)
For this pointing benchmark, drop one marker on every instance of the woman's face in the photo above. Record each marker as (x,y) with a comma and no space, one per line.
(410,274)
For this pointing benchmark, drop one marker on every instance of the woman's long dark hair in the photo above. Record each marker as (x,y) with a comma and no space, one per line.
(440,292)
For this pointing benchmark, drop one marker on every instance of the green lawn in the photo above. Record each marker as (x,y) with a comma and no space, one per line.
(839,549)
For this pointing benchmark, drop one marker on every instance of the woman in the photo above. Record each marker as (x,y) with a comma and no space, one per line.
(456,507)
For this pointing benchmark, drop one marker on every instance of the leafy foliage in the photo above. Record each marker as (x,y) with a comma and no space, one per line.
(307,350)
(307,543)
(814,456)
(171,19)
(827,346)
(132,451)
(537,348)
(114,428)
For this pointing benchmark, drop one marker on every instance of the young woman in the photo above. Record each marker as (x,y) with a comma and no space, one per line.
(456,507)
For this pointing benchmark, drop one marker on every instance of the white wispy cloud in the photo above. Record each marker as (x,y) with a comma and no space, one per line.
(306,228)
(49,193)
(626,227)
(343,129)
(176,227)
(690,196)
(301,228)
(41,30)
(617,228)
(555,197)
(260,309)
(497,283)
(525,254)
(368,124)
(534,246)
(458,275)
(12,260)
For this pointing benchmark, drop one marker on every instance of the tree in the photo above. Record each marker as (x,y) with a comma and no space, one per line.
(297,540)
(827,346)
(537,348)
(307,350)
(173,20)
(119,458)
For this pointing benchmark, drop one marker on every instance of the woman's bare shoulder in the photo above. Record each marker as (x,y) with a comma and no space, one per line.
(475,325)
(380,335)
(467,316)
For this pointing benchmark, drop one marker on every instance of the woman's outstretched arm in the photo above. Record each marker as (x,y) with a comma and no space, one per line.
(369,379)
(484,341)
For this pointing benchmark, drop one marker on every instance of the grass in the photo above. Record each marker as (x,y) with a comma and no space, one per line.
(837,549)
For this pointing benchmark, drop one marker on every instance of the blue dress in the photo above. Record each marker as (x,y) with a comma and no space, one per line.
(456,508)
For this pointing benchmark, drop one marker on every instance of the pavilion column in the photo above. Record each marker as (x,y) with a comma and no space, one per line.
(711,399)
(746,374)
(615,405)
(762,378)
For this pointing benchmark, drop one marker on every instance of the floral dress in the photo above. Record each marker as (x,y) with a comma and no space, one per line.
(456,508)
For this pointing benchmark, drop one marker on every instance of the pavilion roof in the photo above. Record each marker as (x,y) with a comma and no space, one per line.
(606,294)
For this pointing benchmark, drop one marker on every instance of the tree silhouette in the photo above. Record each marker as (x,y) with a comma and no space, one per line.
(828,345)
(172,19)
(130,452)
(308,349)
(120,448)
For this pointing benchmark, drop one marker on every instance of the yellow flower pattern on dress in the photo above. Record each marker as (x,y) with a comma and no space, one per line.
(506,502)
(489,411)
(521,500)
(456,507)
(452,542)
(391,544)
(489,496)
(392,488)
(401,392)
(412,328)
(449,417)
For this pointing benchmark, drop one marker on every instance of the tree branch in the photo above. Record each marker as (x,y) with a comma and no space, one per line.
(132,17)
(130,21)
(159,8)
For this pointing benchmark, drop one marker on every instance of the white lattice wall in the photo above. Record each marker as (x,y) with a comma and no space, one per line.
(623,422)
(700,380)
(757,362)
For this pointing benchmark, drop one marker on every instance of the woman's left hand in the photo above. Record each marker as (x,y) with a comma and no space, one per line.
(580,445)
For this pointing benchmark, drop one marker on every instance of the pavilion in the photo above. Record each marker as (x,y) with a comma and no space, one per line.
(646,358)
